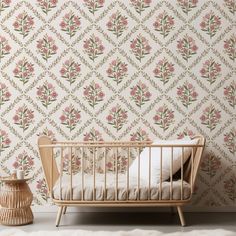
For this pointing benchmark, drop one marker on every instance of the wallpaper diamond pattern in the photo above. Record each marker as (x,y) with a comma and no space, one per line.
(119,70)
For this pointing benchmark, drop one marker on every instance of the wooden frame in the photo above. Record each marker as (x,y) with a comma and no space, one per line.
(188,173)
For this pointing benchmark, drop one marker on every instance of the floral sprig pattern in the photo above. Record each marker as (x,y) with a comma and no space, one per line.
(4,94)
(210,70)
(211,164)
(4,140)
(70,23)
(230,94)
(164,70)
(47,5)
(4,47)
(164,117)
(70,117)
(41,189)
(139,135)
(94,5)
(187,94)
(93,47)
(24,23)
(140,5)
(230,47)
(229,186)
(210,23)
(93,94)
(48,133)
(117,24)
(140,94)
(25,162)
(210,117)
(231,4)
(164,23)
(229,140)
(140,47)
(46,94)
(185,133)
(187,47)
(70,70)
(74,163)
(117,70)
(47,47)
(23,117)
(4,4)
(93,135)
(187,5)
(24,70)
(117,117)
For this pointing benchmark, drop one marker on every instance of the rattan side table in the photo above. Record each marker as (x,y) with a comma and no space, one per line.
(15,201)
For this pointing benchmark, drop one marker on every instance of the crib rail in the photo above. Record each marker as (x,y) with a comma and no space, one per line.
(63,160)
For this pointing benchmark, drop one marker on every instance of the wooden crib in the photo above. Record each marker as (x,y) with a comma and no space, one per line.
(80,173)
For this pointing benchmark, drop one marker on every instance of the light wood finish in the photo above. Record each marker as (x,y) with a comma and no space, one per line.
(188,172)
(64,210)
(15,201)
(59,213)
(181,215)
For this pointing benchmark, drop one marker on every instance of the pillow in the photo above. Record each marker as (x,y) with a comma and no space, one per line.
(166,160)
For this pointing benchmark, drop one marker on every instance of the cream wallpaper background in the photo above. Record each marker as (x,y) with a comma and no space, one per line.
(119,70)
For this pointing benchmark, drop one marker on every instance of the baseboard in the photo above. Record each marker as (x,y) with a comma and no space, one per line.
(141,209)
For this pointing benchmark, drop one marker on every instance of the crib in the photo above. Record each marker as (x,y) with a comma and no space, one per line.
(120,174)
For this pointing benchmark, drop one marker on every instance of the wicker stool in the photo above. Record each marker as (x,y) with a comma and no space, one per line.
(15,201)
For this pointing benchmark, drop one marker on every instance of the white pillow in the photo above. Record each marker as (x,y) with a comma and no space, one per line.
(166,160)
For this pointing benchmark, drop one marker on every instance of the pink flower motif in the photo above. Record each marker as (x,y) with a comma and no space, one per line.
(117,117)
(23,117)
(140,47)
(230,95)
(46,47)
(210,70)
(24,70)
(47,94)
(70,70)
(93,94)
(164,70)
(117,70)
(93,135)
(229,139)
(210,117)
(4,94)
(41,189)
(231,4)
(230,47)
(117,24)
(74,163)
(164,23)
(229,187)
(4,4)
(211,164)
(187,94)
(187,47)
(139,135)
(186,133)
(4,140)
(164,117)
(94,5)
(4,47)
(187,5)
(70,117)
(140,5)
(48,133)
(47,5)
(70,23)
(210,23)
(23,23)
(140,94)
(93,47)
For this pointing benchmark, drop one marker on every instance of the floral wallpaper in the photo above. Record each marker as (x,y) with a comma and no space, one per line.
(119,70)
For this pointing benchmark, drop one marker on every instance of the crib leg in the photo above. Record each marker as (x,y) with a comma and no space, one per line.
(64,210)
(59,213)
(181,216)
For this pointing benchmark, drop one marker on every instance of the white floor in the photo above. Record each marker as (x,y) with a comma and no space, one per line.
(164,222)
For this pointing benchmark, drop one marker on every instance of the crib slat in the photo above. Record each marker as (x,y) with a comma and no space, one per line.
(149,172)
(105,173)
(94,174)
(127,196)
(192,170)
(160,195)
(182,173)
(138,173)
(51,188)
(82,174)
(61,172)
(71,173)
(171,175)
(116,190)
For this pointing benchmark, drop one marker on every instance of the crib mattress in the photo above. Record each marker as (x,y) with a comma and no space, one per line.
(134,193)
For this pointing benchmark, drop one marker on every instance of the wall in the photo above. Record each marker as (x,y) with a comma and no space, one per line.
(119,70)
